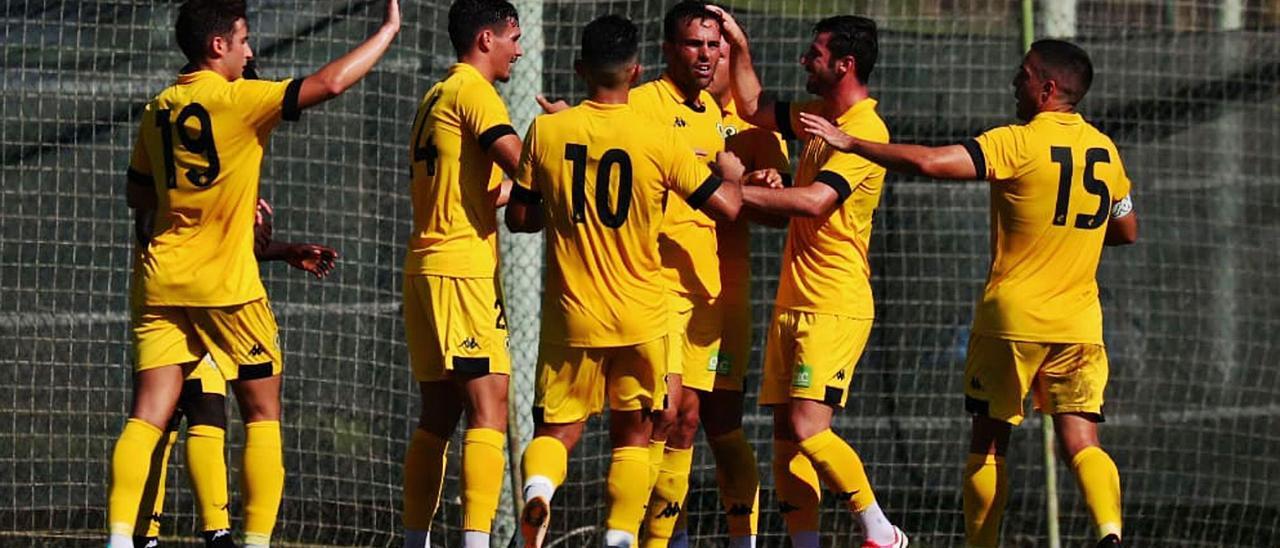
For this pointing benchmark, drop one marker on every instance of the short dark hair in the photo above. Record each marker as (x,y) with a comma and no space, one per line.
(683,12)
(609,40)
(468,17)
(1067,64)
(855,36)
(201,20)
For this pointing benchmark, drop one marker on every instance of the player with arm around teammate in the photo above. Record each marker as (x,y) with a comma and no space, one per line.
(594,177)
(824,307)
(197,160)
(1059,193)
(454,320)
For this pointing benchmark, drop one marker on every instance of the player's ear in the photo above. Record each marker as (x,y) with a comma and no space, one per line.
(484,40)
(845,65)
(218,46)
(579,69)
(637,70)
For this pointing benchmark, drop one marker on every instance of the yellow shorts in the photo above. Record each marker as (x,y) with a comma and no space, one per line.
(455,325)
(206,378)
(811,356)
(243,339)
(1064,378)
(735,342)
(695,325)
(573,381)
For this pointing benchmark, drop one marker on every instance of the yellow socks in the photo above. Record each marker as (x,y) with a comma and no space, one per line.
(628,492)
(668,496)
(739,481)
(986,487)
(840,468)
(798,490)
(262,480)
(657,449)
(161,471)
(548,459)
(1100,483)
(424,463)
(484,465)
(130,469)
(207,466)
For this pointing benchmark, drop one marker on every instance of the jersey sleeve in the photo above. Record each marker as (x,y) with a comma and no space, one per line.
(525,188)
(686,175)
(263,103)
(999,154)
(844,173)
(484,114)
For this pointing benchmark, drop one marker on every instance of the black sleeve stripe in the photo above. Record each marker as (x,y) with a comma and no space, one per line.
(782,116)
(837,182)
(979,160)
(494,133)
(704,192)
(138,178)
(290,111)
(786,180)
(524,195)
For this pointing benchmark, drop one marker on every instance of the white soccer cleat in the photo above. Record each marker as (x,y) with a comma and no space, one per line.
(534,521)
(899,540)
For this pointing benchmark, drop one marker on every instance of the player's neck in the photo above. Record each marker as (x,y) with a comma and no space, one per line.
(1064,108)
(609,96)
(213,65)
(690,90)
(481,63)
(848,93)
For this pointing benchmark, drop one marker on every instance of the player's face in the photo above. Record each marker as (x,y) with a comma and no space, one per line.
(1026,86)
(720,80)
(506,47)
(817,62)
(692,58)
(237,53)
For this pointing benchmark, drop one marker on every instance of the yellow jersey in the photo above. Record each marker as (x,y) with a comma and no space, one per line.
(1053,184)
(688,240)
(200,147)
(601,173)
(758,149)
(455,225)
(824,265)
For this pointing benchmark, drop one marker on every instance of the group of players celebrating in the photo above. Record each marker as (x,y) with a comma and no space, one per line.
(644,193)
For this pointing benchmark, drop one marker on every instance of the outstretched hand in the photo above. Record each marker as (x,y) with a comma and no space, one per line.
(316,259)
(550,107)
(825,130)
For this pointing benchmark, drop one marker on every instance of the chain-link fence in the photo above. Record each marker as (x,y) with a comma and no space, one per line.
(1190,91)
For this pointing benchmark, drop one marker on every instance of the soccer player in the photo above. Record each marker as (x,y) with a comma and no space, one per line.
(1059,193)
(196,161)
(454,320)
(203,399)
(824,307)
(596,176)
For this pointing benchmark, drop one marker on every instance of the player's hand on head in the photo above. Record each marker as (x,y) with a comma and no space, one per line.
(825,130)
(729,166)
(316,259)
(729,28)
(550,107)
(764,177)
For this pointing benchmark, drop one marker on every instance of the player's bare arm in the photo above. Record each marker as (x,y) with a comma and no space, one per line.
(1122,229)
(521,216)
(945,162)
(315,259)
(142,200)
(340,74)
(748,94)
(764,178)
(726,202)
(817,200)
(506,153)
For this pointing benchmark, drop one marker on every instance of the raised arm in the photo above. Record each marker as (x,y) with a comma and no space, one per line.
(340,74)
(945,162)
(748,94)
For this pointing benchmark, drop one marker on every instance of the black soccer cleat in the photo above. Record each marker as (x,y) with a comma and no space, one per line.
(218,538)
(1109,541)
(146,542)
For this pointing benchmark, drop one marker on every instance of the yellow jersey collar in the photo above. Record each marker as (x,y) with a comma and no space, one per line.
(192,74)
(1064,118)
(696,104)
(468,69)
(858,108)
(603,107)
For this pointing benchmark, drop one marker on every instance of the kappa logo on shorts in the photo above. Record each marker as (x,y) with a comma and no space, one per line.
(840,375)
(257,350)
(680,122)
(803,377)
(470,343)
(670,511)
(975,384)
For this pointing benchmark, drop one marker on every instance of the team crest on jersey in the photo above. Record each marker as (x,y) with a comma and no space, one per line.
(726,131)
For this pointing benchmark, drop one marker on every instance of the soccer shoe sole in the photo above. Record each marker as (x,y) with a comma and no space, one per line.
(899,540)
(534,521)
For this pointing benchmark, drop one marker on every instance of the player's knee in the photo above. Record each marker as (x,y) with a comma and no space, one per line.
(488,414)
(989,436)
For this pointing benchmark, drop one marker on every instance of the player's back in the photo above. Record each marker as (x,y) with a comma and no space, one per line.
(1053,183)
(201,144)
(454,213)
(603,172)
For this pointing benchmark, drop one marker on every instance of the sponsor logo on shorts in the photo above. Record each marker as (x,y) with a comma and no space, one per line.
(671,510)
(470,343)
(257,350)
(803,377)
(724,364)
(975,384)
